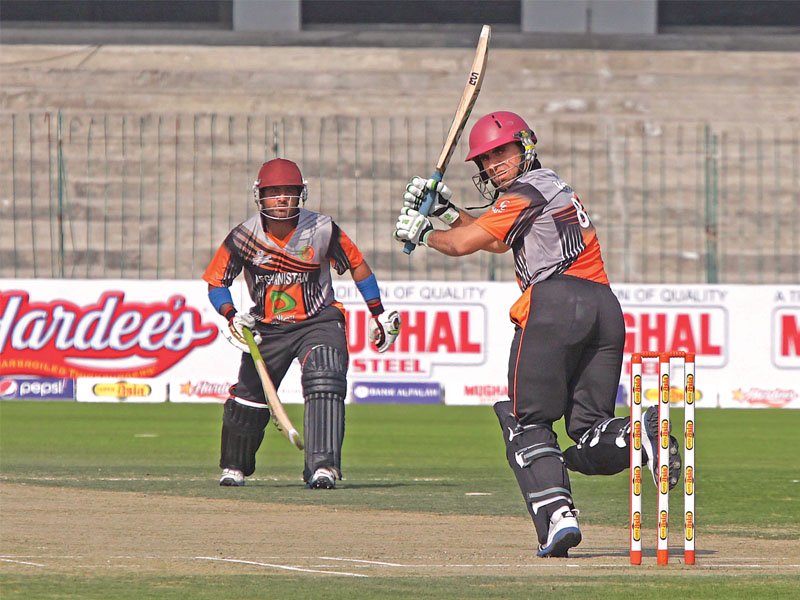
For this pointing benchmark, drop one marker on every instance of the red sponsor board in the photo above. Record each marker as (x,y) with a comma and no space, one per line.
(110,336)
(672,329)
(786,337)
(746,338)
(431,335)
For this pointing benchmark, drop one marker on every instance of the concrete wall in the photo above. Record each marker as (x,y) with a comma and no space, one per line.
(590,16)
(266,15)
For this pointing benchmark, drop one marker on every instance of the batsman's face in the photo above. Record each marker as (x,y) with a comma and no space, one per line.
(279,202)
(502,164)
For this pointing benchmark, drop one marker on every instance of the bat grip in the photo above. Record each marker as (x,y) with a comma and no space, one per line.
(251,344)
(425,208)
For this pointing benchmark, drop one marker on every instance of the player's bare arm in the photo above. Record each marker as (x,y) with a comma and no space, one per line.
(463,240)
(361,272)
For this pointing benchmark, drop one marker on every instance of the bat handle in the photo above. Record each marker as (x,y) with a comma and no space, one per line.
(425,208)
(251,344)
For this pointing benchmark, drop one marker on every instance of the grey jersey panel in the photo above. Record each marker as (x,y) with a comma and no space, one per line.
(547,237)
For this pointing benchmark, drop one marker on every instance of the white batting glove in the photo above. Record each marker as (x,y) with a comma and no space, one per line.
(412,227)
(236,332)
(384,329)
(442,208)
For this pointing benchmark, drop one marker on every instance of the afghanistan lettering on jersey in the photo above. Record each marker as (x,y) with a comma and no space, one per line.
(543,221)
(289,280)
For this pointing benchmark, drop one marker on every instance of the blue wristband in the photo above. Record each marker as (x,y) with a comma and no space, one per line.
(369,288)
(220,297)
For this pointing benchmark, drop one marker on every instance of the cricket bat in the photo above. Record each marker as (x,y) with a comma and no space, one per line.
(468,98)
(279,416)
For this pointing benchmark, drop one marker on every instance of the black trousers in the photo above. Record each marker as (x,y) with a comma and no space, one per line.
(566,361)
(281,344)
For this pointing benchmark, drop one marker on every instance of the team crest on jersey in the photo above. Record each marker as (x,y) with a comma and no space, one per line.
(498,208)
(306,253)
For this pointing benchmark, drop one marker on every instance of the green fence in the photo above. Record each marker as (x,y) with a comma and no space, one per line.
(147,196)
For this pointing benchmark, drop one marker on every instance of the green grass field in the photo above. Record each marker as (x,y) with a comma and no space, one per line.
(416,459)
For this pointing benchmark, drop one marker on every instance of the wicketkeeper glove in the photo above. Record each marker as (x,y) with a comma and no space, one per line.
(412,227)
(442,208)
(235,333)
(384,329)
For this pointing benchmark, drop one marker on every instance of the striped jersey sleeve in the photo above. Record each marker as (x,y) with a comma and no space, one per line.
(226,264)
(342,252)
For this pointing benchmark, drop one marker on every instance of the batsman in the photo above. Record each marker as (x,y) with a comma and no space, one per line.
(286,253)
(566,354)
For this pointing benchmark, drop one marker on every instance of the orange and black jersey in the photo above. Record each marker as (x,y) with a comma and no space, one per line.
(289,280)
(544,223)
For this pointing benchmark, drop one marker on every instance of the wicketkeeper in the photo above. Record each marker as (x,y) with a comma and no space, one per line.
(286,252)
(566,354)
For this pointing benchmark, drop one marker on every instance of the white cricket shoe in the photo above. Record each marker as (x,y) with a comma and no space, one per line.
(323,478)
(564,534)
(231,478)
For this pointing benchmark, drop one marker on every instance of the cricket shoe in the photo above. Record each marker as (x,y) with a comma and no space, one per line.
(564,534)
(650,444)
(323,478)
(231,478)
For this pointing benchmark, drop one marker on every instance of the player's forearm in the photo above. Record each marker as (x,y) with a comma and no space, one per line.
(463,241)
(464,218)
(451,245)
(367,285)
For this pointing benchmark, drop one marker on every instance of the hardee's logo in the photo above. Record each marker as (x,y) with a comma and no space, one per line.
(637,526)
(662,525)
(664,479)
(688,480)
(109,338)
(688,526)
(121,389)
(664,435)
(637,435)
(689,435)
(637,481)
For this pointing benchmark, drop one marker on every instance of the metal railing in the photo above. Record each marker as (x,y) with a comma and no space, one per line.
(149,196)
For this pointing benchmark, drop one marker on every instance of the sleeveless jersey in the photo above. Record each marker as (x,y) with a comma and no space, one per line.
(543,221)
(289,280)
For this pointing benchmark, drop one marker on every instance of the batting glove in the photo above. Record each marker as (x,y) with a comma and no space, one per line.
(384,329)
(412,227)
(442,208)
(236,326)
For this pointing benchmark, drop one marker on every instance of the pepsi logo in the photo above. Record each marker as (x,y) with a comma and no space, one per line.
(8,387)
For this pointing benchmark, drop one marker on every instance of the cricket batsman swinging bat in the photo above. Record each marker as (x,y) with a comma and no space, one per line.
(279,416)
(468,98)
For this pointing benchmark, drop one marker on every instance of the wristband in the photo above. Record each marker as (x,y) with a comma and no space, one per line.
(375,306)
(219,297)
(229,314)
(371,294)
